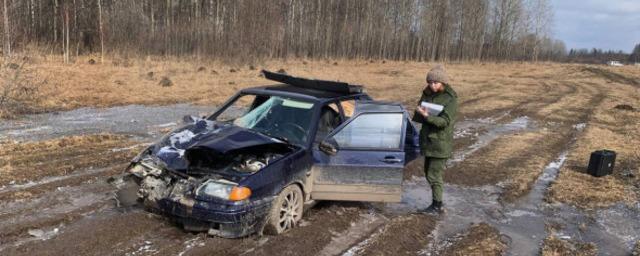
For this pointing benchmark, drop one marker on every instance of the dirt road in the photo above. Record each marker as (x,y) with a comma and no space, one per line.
(518,130)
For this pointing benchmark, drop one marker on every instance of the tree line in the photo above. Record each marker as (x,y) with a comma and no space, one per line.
(242,30)
(599,56)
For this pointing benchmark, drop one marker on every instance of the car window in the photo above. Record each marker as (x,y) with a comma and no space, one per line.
(376,131)
(278,117)
(329,120)
(240,107)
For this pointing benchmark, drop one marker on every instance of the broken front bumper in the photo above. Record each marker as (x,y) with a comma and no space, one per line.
(217,218)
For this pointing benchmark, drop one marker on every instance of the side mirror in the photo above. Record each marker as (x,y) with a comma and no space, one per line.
(328,146)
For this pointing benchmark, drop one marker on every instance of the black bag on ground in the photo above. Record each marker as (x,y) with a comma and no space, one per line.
(601,163)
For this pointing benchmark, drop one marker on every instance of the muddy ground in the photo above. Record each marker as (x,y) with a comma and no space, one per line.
(516,184)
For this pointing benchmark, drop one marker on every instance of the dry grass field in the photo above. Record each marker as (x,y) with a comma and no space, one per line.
(136,81)
(570,110)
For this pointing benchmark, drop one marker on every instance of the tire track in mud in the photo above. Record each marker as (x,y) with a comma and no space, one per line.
(402,235)
(25,162)
(402,232)
(90,224)
(578,112)
(518,105)
(325,223)
(322,227)
(318,227)
(530,104)
(53,205)
(395,229)
(107,233)
(529,107)
(136,232)
(130,234)
(556,129)
(72,187)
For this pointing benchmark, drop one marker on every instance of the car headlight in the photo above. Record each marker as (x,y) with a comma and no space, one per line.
(223,190)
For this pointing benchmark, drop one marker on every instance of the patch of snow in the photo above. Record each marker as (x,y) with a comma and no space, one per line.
(181,137)
(27,131)
(170,150)
(42,234)
(166,125)
(520,213)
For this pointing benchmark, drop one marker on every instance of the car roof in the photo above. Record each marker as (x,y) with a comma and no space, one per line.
(291,89)
(306,88)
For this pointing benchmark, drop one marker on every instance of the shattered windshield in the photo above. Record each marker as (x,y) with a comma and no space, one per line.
(278,117)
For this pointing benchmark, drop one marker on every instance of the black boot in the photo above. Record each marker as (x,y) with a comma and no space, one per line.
(434,208)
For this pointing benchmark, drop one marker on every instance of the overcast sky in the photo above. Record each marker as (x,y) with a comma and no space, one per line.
(606,24)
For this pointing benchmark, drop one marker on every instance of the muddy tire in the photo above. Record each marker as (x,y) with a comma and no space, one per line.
(285,211)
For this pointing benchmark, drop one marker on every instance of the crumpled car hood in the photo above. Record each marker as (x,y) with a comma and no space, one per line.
(202,133)
(231,138)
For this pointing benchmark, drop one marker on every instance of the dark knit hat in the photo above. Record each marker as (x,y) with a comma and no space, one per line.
(438,74)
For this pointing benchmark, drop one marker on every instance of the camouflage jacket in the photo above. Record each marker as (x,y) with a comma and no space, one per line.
(436,135)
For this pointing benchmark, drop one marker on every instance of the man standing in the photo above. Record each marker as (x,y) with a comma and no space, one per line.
(436,135)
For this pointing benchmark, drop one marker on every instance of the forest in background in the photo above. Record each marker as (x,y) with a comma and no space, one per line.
(422,30)
(245,30)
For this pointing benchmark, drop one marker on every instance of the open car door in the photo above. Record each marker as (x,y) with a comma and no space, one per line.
(363,159)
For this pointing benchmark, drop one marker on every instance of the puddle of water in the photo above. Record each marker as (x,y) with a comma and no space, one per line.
(536,195)
(614,230)
(525,220)
(522,223)
(145,121)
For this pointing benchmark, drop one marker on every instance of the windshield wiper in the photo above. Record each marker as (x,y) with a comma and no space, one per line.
(277,137)
(281,138)
(273,136)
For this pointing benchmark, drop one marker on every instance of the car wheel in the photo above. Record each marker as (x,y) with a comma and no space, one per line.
(286,211)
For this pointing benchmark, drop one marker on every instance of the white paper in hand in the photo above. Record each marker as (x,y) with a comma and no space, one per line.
(433,109)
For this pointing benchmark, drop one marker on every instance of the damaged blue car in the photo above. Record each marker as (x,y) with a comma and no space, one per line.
(269,151)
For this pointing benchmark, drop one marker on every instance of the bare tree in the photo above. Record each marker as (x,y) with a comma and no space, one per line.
(66,32)
(7,31)
(101,31)
(243,30)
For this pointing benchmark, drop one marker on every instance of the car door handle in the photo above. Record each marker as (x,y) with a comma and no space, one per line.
(391,160)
